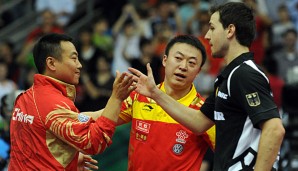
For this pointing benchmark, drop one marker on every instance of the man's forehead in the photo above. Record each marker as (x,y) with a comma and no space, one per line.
(214,18)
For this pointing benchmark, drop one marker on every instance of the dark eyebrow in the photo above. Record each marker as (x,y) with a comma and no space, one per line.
(192,57)
(180,53)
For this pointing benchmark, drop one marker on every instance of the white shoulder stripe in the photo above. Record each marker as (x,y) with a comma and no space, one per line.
(253,65)
(229,80)
(249,63)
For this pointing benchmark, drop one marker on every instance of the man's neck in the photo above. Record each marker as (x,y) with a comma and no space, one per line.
(234,52)
(176,93)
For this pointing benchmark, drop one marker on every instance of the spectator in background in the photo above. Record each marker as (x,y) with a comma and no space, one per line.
(127,33)
(6,85)
(166,14)
(287,58)
(102,36)
(97,85)
(87,49)
(190,12)
(193,24)
(279,27)
(63,9)
(293,10)
(263,23)
(6,109)
(47,25)
(145,11)
(7,54)
(148,56)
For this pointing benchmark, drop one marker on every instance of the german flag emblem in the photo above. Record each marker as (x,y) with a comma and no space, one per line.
(253,99)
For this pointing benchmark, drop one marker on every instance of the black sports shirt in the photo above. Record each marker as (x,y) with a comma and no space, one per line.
(241,100)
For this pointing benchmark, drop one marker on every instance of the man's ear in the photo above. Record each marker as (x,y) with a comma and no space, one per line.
(164,59)
(231,30)
(51,63)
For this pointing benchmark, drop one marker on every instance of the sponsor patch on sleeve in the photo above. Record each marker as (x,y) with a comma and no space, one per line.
(253,99)
(83,118)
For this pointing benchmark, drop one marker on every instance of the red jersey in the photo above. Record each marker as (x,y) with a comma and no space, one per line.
(157,141)
(47,130)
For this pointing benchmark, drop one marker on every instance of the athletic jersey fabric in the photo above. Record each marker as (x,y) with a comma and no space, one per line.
(157,141)
(47,130)
(242,99)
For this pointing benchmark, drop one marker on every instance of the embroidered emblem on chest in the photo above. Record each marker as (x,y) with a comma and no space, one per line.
(141,136)
(177,149)
(181,136)
(142,126)
(147,107)
(181,140)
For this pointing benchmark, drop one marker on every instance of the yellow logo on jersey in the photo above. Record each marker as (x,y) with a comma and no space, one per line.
(141,137)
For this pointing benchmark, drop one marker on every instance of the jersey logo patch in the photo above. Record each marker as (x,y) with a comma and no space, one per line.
(142,126)
(219,116)
(178,148)
(141,136)
(83,118)
(181,136)
(147,108)
(253,99)
(222,95)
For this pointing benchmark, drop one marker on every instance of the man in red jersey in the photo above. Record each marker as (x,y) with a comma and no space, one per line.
(157,141)
(47,130)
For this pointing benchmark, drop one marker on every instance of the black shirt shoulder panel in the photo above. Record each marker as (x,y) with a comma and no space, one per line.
(250,87)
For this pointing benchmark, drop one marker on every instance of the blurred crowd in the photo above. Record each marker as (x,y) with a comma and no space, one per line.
(135,32)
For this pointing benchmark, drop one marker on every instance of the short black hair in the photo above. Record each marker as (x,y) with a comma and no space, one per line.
(48,45)
(241,16)
(188,39)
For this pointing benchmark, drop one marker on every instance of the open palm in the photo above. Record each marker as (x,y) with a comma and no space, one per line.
(145,84)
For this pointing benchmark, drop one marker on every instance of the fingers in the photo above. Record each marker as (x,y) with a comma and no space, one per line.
(149,70)
(90,163)
(90,166)
(135,72)
(129,83)
(126,81)
(132,87)
(88,158)
(119,77)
